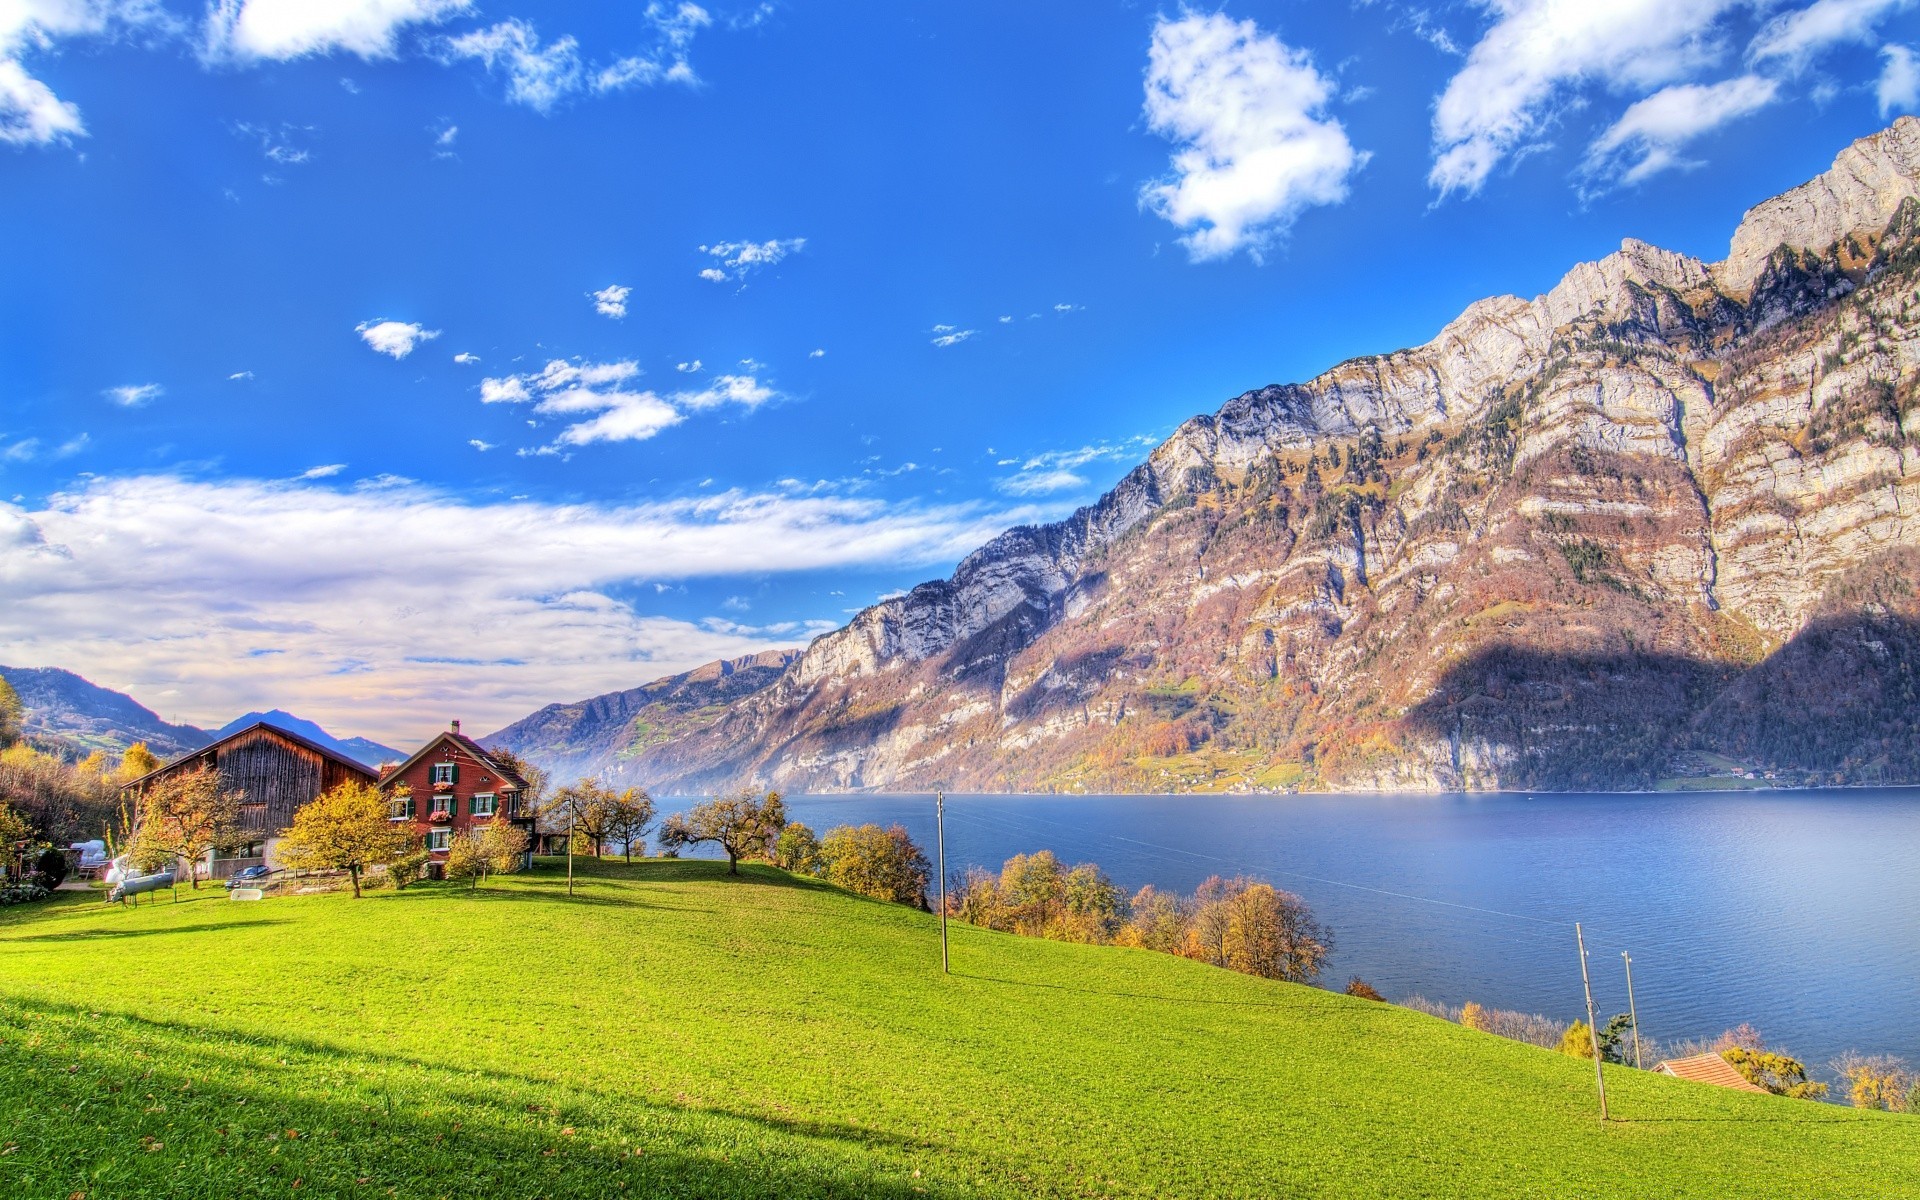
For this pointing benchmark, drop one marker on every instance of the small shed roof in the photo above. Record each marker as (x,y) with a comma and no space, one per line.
(1709,1068)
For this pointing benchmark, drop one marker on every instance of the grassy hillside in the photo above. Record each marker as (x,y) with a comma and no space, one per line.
(673,1032)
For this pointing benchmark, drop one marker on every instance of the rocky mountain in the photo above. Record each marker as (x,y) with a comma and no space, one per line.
(1665,515)
(602,737)
(64,709)
(362,750)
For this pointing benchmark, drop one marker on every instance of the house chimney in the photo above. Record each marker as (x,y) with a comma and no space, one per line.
(456,726)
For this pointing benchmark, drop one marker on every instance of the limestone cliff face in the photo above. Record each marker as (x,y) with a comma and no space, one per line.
(1532,552)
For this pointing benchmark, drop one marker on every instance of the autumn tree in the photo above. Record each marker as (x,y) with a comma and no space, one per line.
(345,829)
(1272,933)
(1781,1074)
(137,761)
(798,850)
(14,829)
(536,778)
(629,819)
(187,815)
(1361,989)
(1094,908)
(12,714)
(497,849)
(588,810)
(1880,1081)
(881,863)
(1156,920)
(741,825)
(1577,1040)
(1033,887)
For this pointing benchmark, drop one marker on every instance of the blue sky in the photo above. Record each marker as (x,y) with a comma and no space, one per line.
(389,360)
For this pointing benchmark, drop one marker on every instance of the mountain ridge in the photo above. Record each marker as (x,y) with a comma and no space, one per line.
(1648,390)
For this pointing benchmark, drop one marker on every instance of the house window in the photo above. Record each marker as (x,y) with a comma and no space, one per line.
(400,808)
(437,839)
(484,804)
(443,772)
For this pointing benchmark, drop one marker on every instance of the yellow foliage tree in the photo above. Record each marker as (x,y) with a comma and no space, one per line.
(137,761)
(494,850)
(1577,1040)
(1473,1016)
(344,829)
(186,815)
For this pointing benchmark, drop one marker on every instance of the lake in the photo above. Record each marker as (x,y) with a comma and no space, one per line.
(1797,911)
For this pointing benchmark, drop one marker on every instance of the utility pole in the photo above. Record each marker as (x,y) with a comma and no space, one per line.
(1633,1012)
(1593,1025)
(570,855)
(940,827)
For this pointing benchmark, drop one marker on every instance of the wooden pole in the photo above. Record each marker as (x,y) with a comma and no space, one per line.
(569,852)
(1633,1012)
(940,826)
(1593,1026)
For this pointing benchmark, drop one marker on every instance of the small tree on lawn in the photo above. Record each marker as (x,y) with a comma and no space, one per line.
(588,808)
(798,850)
(187,815)
(628,820)
(882,863)
(345,829)
(740,825)
(494,850)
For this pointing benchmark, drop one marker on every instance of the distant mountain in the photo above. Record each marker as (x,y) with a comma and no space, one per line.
(1666,514)
(64,708)
(359,749)
(600,737)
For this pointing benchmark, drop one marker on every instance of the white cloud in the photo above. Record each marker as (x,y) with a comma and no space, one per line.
(464,358)
(1795,37)
(542,76)
(688,368)
(241,375)
(21,451)
(325,472)
(1650,135)
(285,29)
(611,301)
(133,395)
(30,113)
(1899,86)
(396,338)
(952,338)
(1038,483)
(1255,146)
(392,607)
(1525,70)
(816,354)
(601,406)
(446,136)
(481,446)
(740,259)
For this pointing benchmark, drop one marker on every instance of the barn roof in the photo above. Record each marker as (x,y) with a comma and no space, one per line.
(1708,1068)
(354,765)
(467,746)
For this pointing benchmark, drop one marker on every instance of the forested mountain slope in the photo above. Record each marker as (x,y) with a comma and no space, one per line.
(1666,510)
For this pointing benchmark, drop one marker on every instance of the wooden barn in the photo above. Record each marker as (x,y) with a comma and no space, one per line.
(276,772)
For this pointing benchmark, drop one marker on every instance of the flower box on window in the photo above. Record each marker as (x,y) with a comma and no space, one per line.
(443,785)
(440,816)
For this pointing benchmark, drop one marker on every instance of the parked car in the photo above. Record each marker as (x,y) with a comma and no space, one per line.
(249,877)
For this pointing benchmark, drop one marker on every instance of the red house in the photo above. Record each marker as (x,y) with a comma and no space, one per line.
(454,786)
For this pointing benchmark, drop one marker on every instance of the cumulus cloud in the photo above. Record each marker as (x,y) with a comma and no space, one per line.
(1649,136)
(395,338)
(601,405)
(816,353)
(1255,145)
(384,609)
(30,113)
(541,76)
(611,301)
(1899,87)
(1793,38)
(133,395)
(464,358)
(737,260)
(285,29)
(1526,68)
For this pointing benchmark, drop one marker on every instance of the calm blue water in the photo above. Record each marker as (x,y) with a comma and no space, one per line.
(1796,911)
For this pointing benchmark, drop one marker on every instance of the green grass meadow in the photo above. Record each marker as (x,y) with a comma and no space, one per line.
(673,1032)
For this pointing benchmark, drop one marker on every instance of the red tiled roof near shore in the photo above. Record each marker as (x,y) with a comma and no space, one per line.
(1709,1068)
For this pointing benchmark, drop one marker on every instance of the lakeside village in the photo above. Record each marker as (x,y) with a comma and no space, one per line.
(268,811)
